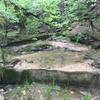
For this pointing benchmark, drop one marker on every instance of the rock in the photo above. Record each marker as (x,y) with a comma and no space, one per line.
(95,55)
(96,98)
(14,62)
(23,92)
(74,24)
(69,46)
(10,87)
(55,64)
(28,48)
(1,90)
(1,97)
(96,44)
(73,73)
(95,35)
(83,92)
(89,61)
(80,29)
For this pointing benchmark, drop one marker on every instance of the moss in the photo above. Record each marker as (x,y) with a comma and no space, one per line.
(40,44)
(48,59)
(10,76)
(95,55)
(26,76)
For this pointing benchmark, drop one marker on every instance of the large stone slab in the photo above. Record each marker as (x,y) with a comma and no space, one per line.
(69,46)
(58,65)
(59,75)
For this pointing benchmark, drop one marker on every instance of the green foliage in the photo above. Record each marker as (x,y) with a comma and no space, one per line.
(7,12)
(26,77)
(16,11)
(87,97)
(29,26)
(78,10)
(80,38)
(10,76)
(51,14)
(29,15)
(59,38)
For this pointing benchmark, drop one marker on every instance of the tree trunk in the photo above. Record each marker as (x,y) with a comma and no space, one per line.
(21,25)
(98,6)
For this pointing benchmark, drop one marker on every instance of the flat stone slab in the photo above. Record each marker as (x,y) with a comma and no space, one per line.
(44,75)
(82,73)
(65,61)
(56,65)
(47,59)
(69,46)
(77,67)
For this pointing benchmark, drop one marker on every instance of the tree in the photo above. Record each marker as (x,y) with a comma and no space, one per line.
(98,6)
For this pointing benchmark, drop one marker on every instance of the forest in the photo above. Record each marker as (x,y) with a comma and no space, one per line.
(49,49)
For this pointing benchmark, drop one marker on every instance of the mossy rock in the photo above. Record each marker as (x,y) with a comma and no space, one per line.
(10,76)
(95,55)
(26,76)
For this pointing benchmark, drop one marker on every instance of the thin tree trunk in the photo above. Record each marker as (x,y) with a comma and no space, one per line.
(98,6)
(3,56)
